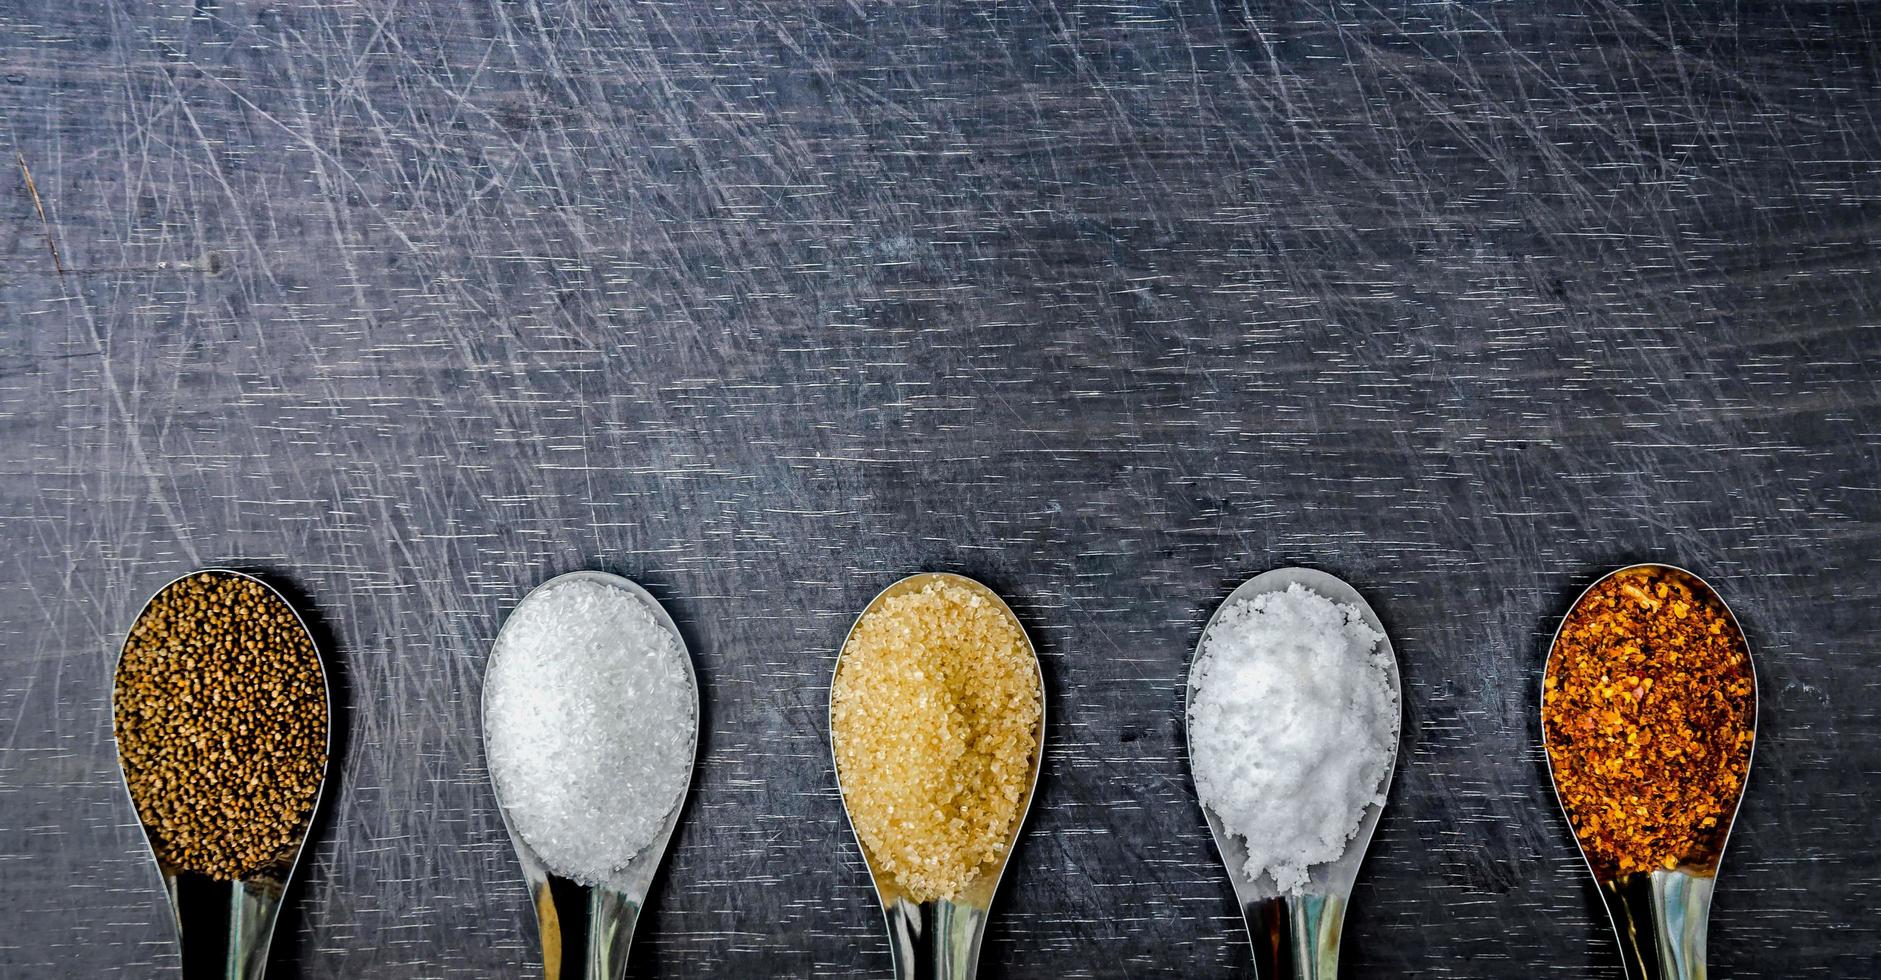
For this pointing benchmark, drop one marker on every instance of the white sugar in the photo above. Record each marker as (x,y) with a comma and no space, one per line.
(1292,726)
(589,720)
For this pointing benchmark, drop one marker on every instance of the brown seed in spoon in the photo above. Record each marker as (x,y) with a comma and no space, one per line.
(221,721)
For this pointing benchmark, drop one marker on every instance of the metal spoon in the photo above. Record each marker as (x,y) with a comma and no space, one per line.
(1296,935)
(1661,916)
(225,927)
(587,930)
(940,939)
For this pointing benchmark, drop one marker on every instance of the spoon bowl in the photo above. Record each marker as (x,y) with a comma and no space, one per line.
(1296,935)
(940,939)
(225,927)
(588,930)
(1660,916)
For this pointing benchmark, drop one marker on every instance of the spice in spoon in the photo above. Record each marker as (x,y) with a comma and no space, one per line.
(1293,728)
(590,722)
(1648,709)
(934,715)
(221,716)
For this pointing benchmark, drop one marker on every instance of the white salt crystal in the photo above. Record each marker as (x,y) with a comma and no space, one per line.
(1292,725)
(589,722)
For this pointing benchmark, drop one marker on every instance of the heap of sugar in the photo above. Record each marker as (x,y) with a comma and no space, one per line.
(1292,727)
(934,714)
(589,720)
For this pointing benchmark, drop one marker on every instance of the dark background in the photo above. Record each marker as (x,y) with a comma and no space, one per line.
(1112,305)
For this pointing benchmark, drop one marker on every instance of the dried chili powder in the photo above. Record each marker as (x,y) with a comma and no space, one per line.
(1649,711)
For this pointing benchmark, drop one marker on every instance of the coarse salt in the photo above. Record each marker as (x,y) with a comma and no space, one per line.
(1292,728)
(589,718)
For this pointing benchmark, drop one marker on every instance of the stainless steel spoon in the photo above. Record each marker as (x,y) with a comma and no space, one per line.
(1296,935)
(940,940)
(225,927)
(587,930)
(1661,916)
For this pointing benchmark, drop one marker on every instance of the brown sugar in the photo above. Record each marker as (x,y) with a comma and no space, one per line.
(1648,709)
(934,716)
(221,720)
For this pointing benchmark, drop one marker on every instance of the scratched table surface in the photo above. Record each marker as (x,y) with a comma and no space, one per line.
(410,306)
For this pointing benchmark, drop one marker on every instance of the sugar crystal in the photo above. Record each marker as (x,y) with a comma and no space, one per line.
(589,722)
(934,716)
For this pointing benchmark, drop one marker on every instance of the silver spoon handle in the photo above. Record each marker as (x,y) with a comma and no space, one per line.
(935,940)
(1661,919)
(586,931)
(1296,937)
(223,927)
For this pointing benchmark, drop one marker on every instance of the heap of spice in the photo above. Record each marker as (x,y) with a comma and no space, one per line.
(221,717)
(590,720)
(1293,728)
(934,715)
(1649,708)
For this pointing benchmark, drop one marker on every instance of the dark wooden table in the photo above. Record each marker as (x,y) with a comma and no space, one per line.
(412,305)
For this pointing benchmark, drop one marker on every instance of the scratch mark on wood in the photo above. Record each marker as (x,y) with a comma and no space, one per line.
(32,190)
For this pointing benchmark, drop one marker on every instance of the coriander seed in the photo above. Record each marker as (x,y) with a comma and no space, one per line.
(220,710)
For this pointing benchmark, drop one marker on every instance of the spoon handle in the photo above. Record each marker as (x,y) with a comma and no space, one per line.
(223,927)
(1661,919)
(587,931)
(935,940)
(1296,937)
